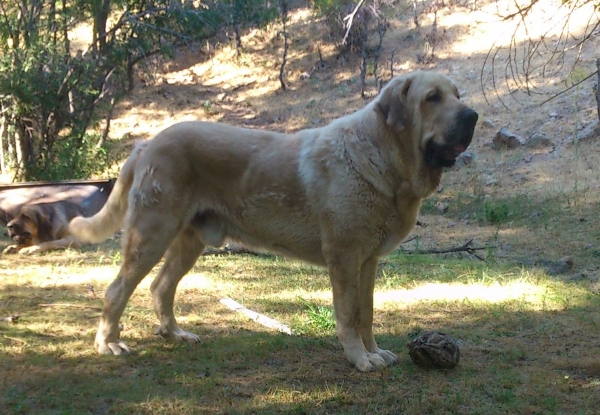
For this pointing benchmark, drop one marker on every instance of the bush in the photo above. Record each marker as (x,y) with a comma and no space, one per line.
(496,213)
(70,161)
(52,98)
(369,19)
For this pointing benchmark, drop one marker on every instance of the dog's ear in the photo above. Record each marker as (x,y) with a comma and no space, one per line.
(44,225)
(391,103)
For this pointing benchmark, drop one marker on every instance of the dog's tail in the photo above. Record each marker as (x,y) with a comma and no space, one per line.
(109,219)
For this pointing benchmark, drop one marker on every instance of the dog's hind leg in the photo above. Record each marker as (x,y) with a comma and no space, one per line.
(143,247)
(179,259)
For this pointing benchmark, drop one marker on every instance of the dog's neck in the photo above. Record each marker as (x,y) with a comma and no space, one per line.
(411,175)
(391,161)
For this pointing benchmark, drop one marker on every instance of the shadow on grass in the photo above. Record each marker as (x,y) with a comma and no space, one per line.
(514,360)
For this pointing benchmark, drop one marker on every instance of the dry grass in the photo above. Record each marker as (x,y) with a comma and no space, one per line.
(528,340)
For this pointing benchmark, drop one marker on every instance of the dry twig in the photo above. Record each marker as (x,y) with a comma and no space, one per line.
(69,305)
(466,247)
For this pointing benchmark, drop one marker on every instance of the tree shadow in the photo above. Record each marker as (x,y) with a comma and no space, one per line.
(244,369)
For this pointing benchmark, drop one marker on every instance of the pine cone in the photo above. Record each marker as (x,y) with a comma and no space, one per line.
(433,349)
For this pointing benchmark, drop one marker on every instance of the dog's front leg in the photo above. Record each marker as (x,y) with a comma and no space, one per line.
(344,272)
(368,272)
(12,249)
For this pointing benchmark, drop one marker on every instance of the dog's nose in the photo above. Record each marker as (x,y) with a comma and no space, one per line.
(468,116)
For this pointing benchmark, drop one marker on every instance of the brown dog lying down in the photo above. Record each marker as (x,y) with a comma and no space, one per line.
(340,196)
(40,227)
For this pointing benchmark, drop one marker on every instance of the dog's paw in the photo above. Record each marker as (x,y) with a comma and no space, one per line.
(11,249)
(364,365)
(369,362)
(29,250)
(177,336)
(377,360)
(115,348)
(181,336)
(389,357)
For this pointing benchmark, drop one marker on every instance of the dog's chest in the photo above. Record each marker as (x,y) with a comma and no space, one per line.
(396,226)
(391,237)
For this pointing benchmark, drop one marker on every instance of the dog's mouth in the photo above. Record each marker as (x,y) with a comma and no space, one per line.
(456,140)
(444,155)
(22,238)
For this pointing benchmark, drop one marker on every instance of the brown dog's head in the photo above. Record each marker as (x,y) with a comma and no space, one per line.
(25,226)
(428,106)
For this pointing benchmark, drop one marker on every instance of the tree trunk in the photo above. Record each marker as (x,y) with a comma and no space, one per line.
(101,12)
(130,74)
(3,123)
(598,87)
(24,147)
(284,16)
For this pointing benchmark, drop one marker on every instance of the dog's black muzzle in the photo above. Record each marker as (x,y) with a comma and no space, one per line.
(457,140)
(16,233)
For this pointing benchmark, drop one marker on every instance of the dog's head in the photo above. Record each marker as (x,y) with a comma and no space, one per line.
(24,227)
(427,106)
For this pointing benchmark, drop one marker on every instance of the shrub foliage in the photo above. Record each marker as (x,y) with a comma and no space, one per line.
(53,97)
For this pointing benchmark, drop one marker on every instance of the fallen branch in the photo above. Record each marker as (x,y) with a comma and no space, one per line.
(69,305)
(237,88)
(233,248)
(410,239)
(16,340)
(253,315)
(466,247)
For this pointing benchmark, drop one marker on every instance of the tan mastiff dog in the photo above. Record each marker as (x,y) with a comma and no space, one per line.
(340,196)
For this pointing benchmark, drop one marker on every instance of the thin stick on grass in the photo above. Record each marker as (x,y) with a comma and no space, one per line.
(69,305)
(253,315)
(16,340)
(466,247)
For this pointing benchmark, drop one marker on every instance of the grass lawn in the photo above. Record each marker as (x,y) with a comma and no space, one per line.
(529,342)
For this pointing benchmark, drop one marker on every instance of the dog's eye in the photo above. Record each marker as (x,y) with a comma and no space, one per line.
(434,96)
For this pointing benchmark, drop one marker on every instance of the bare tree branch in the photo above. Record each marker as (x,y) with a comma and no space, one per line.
(348,19)
(569,88)
(555,51)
